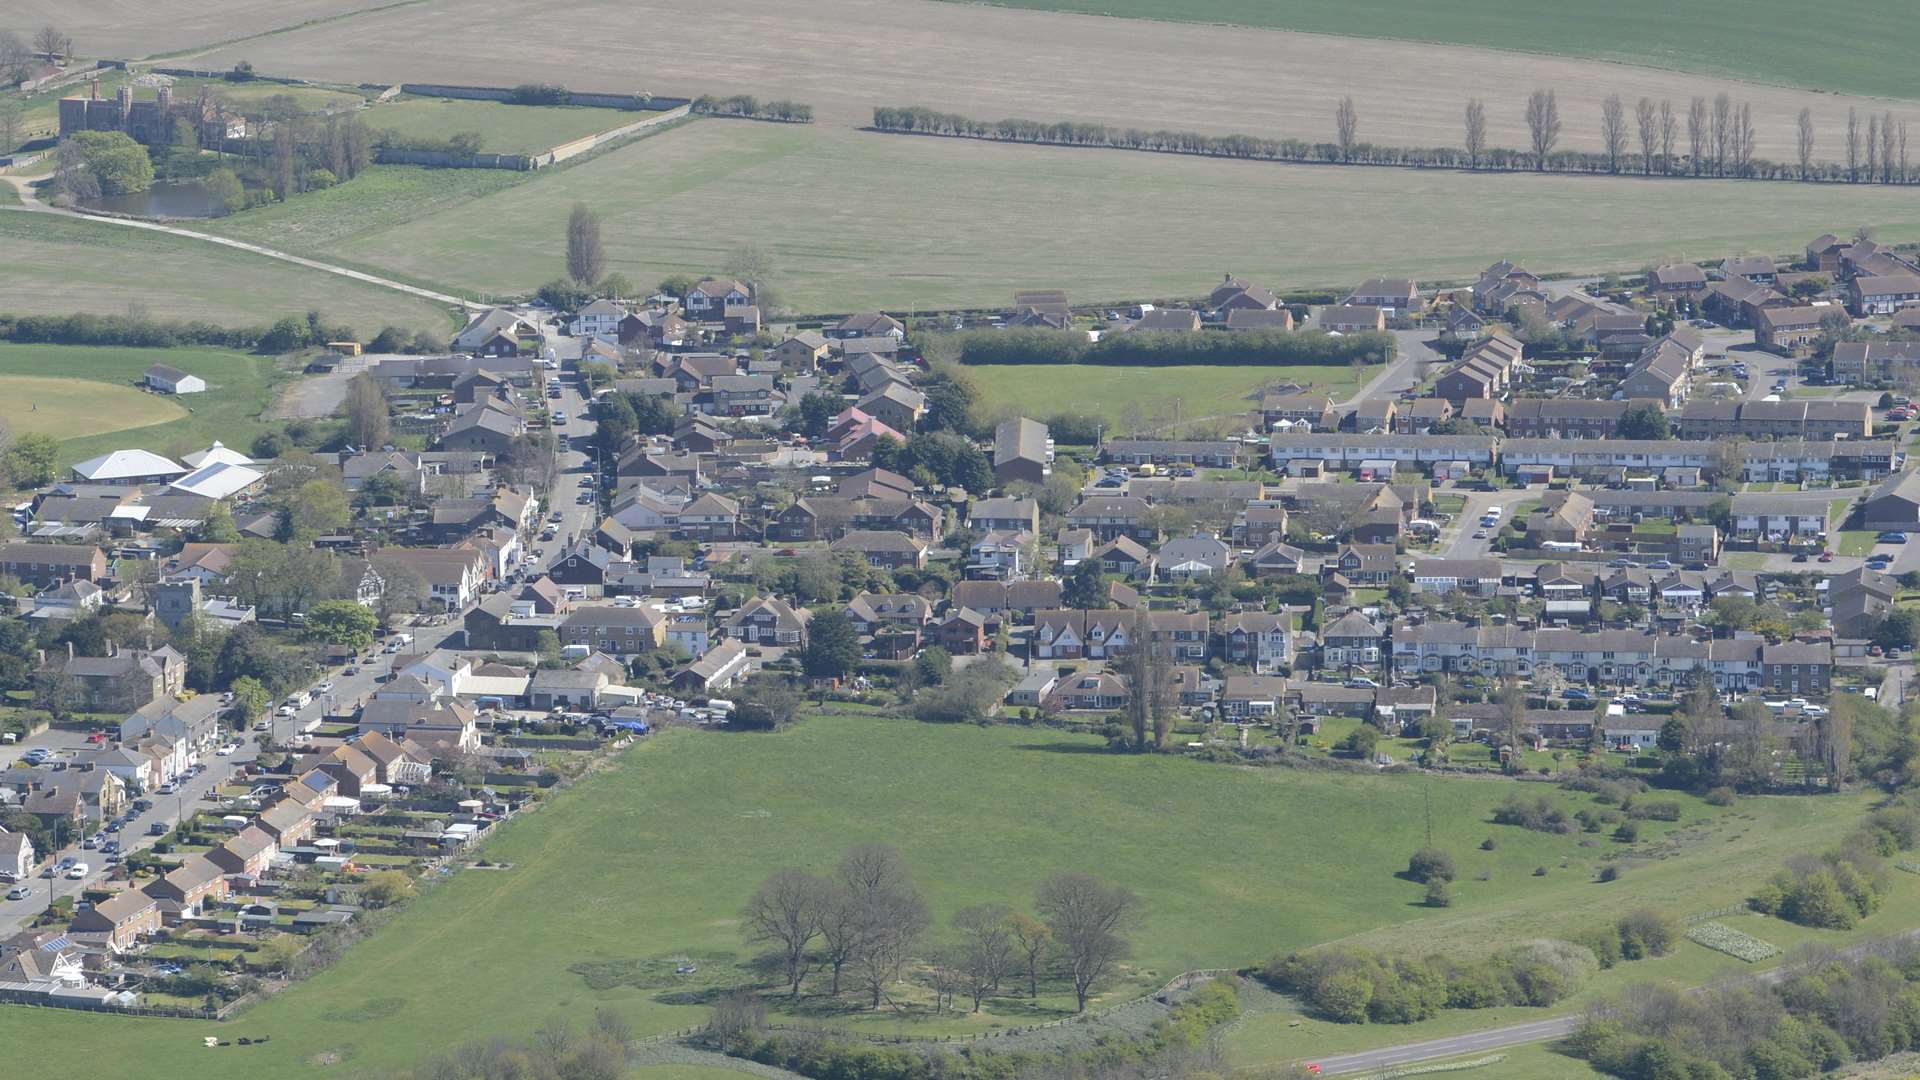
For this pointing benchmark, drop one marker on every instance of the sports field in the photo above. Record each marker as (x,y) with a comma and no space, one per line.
(1110,390)
(85,396)
(846,56)
(69,408)
(856,220)
(652,859)
(56,265)
(503,128)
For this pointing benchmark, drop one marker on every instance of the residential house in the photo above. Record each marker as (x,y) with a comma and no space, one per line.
(1352,318)
(1895,504)
(1189,557)
(1109,517)
(710,298)
(710,517)
(1883,294)
(1777,518)
(1677,281)
(1314,410)
(1793,331)
(897,406)
(1364,564)
(126,679)
(1353,641)
(120,920)
(1168,320)
(616,631)
(768,620)
(1473,577)
(1396,297)
(1004,515)
(715,670)
(884,549)
(1259,639)
(44,566)
(1022,452)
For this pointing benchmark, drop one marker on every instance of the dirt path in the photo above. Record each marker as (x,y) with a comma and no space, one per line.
(31,204)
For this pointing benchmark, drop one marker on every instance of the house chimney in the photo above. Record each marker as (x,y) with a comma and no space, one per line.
(113,649)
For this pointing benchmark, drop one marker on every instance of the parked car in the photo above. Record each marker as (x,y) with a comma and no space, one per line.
(78,871)
(158,828)
(1891,538)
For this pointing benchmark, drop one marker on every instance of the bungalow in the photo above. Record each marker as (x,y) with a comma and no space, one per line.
(866,324)
(884,549)
(1473,577)
(1396,297)
(1251,697)
(716,669)
(1212,455)
(1190,557)
(1352,318)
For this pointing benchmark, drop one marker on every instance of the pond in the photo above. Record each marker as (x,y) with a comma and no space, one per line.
(182,200)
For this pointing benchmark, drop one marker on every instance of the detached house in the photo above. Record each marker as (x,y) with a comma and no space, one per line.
(710,299)
(768,620)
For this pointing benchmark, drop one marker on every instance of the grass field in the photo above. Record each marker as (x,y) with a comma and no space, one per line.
(503,129)
(1109,390)
(69,408)
(55,265)
(66,382)
(855,220)
(1868,55)
(651,860)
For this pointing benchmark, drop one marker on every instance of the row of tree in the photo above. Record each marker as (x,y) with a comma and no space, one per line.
(867,920)
(1033,346)
(1719,141)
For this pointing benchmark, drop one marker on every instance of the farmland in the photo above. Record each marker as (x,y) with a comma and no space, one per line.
(1109,390)
(56,389)
(846,56)
(1766,43)
(57,265)
(650,860)
(858,220)
(503,129)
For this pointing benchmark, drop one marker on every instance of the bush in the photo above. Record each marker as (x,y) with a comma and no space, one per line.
(1627,833)
(1611,872)
(1655,811)
(1439,893)
(1720,796)
(1645,932)
(1541,815)
(1488,844)
(1430,864)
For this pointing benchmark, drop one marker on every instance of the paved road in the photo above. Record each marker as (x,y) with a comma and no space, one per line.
(1457,538)
(1411,350)
(1473,1042)
(16,914)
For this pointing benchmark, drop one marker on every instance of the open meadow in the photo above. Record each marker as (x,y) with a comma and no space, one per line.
(57,390)
(647,865)
(857,220)
(58,266)
(846,56)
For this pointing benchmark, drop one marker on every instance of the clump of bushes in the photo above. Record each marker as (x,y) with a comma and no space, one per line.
(1354,986)
(1431,864)
(1540,815)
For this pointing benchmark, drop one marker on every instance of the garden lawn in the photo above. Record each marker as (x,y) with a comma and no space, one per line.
(66,382)
(503,128)
(1760,40)
(58,266)
(855,220)
(651,860)
(1857,542)
(1150,391)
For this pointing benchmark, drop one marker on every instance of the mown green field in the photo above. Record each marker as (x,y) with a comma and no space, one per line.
(856,220)
(1148,393)
(649,863)
(1870,52)
(57,266)
(66,382)
(503,129)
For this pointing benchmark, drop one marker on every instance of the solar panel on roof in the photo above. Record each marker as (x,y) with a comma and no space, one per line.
(56,944)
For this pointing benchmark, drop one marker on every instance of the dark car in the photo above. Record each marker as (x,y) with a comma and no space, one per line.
(1801,557)
(158,828)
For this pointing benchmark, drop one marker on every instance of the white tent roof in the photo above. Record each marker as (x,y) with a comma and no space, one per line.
(217,454)
(127,465)
(218,480)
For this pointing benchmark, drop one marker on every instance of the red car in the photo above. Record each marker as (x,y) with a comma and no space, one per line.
(97,738)
(1826,556)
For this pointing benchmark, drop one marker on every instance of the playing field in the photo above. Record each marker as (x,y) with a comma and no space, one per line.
(861,220)
(1760,40)
(56,265)
(503,128)
(1153,393)
(648,864)
(68,408)
(85,397)
(846,56)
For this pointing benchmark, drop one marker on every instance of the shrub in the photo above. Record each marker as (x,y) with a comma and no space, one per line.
(1488,844)
(1610,872)
(1645,932)
(1439,894)
(1655,811)
(1540,815)
(1627,833)
(1430,864)
(1720,796)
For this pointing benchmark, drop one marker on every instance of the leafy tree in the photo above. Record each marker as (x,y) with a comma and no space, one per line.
(933,665)
(1675,734)
(250,699)
(1362,741)
(366,411)
(547,644)
(1033,939)
(1643,422)
(766,702)
(342,622)
(1898,629)
(317,507)
(31,460)
(561,294)
(386,887)
(218,528)
(952,400)
(816,413)
(652,414)
(1430,864)
(586,258)
(833,648)
(1085,587)
(118,164)
(614,422)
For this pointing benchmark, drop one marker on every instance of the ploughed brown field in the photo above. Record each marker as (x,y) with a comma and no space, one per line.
(846,56)
(132,29)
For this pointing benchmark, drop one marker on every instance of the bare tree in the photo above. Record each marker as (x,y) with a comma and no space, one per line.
(1543,125)
(51,43)
(1743,139)
(786,913)
(1669,131)
(1613,131)
(1150,690)
(586,259)
(366,409)
(1806,144)
(1476,132)
(891,923)
(1346,123)
(1033,938)
(1886,148)
(1722,132)
(1903,151)
(1088,917)
(1648,122)
(10,110)
(14,58)
(1697,133)
(986,950)
(1853,146)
